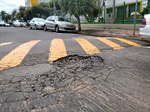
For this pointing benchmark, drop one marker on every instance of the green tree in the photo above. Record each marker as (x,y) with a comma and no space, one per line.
(40,10)
(28,13)
(78,8)
(3,14)
(7,17)
(44,9)
(58,8)
(21,13)
(13,14)
(145,11)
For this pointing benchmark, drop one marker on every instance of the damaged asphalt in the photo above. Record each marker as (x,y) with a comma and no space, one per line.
(80,84)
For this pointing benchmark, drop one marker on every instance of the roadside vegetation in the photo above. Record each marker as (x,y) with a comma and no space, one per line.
(90,9)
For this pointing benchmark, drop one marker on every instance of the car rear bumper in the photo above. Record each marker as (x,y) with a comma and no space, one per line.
(145,30)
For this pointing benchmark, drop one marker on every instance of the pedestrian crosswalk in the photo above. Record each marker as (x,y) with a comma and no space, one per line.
(58,49)
(16,56)
(87,46)
(7,43)
(110,43)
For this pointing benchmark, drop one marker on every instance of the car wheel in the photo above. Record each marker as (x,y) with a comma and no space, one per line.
(56,29)
(30,27)
(45,28)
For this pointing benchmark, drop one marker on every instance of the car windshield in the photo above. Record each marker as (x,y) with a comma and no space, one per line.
(62,19)
(39,20)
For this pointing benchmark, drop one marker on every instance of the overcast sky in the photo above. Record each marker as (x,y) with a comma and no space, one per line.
(9,5)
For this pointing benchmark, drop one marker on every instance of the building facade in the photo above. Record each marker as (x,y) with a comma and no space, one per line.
(123,9)
(29,3)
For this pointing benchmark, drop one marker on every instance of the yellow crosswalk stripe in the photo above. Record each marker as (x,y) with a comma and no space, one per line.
(7,43)
(57,49)
(128,42)
(87,46)
(110,43)
(16,56)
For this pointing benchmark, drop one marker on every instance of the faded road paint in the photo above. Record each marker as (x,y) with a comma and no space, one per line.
(16,56)
(57,49)
(87,46)
(128,42)
(110,43)
(7,43)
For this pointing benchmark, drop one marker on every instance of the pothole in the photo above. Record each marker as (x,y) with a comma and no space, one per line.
(70,73)
(76,61)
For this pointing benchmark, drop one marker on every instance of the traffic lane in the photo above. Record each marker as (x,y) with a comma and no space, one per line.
(13,34)
(49,50)
(121,82)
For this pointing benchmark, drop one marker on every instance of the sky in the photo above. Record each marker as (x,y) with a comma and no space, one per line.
(10,5)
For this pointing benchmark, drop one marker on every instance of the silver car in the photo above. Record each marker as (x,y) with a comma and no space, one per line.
(37,23)
(58,23)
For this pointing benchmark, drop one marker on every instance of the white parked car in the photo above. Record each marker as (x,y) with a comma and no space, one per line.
(16,23)
(37,23)
(22,23)
(145,27)
(2,23)
(58,23)
(7,24)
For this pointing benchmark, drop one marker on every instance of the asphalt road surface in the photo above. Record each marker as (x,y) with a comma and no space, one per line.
(66,72)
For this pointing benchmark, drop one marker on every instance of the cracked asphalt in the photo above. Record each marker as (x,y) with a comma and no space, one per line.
(79,84)
(112,81)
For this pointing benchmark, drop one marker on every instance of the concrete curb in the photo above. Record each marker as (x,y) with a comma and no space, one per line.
(141,38)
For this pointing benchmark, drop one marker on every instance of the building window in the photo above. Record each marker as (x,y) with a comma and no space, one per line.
(121,11)
(109,10)
(132,8)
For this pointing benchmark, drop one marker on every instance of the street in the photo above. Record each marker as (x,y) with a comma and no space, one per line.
(69,72)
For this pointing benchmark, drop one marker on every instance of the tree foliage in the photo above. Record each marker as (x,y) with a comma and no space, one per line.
(57,6)
(40,10)
(79,8)
(5,16)
(13,14)
(21,13)
(145,11)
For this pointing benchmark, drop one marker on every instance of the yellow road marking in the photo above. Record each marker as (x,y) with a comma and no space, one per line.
(110,43)
(57,49)
(16,56)
(128,42)
(2,44)
(87,46)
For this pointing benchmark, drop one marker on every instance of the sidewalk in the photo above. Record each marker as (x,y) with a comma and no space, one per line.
(113,30)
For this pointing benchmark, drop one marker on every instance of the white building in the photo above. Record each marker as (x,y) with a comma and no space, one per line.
(29,3)
(123,9)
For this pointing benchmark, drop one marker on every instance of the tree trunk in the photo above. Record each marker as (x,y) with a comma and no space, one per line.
(79,24)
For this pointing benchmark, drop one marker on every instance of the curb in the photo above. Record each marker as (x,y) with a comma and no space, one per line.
(145,39)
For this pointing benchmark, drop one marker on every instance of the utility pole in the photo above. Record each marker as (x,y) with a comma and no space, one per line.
(135,18)
(148,5)
(123,12)
(99,8)
(54,2)
(113,11)
(104,8)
